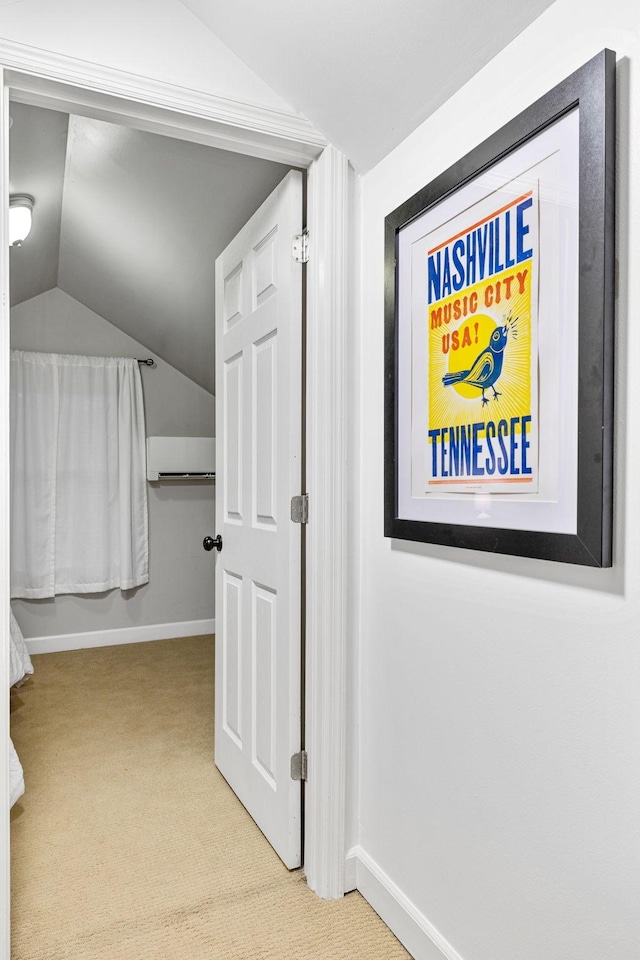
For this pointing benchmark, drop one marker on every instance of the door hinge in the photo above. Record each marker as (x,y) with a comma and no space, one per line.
(300,247)
(299,766)
(300,508)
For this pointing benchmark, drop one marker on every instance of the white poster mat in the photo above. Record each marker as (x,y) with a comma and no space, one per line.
(551,158)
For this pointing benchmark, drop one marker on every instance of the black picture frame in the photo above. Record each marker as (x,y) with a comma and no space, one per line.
(592,89)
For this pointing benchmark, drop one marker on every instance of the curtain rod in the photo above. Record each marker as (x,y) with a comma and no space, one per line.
(150,362)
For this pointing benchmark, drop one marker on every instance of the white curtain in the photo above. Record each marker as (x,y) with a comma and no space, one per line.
(78,486)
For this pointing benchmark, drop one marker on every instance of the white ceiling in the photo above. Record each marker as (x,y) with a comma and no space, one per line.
(366,73)
(130,224)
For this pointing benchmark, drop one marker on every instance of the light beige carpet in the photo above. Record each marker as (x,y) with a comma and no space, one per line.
(129,845)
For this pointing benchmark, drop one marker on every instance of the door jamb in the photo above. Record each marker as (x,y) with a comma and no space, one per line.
(64,83)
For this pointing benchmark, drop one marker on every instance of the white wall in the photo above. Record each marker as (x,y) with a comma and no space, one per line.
(160,39)
(180,584)
(499,747)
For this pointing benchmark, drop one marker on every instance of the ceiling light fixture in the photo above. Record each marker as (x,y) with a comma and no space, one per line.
(20,213)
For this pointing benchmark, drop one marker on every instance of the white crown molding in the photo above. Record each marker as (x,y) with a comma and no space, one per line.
(35,76)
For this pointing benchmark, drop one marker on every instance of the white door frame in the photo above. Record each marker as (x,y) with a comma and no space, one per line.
(51,80)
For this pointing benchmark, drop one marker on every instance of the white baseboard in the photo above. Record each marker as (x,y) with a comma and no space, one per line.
(109,638)
(410,926)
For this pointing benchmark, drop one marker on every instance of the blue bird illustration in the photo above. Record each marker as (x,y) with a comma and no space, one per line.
(486,368)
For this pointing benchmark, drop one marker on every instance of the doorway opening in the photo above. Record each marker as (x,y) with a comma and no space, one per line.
(127,228)
(246,129)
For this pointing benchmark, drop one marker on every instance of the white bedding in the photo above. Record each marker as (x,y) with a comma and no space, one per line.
(16,776)
(20,666)
(20,660)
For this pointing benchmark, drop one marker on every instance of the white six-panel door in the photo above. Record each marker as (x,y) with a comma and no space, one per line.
(258,470)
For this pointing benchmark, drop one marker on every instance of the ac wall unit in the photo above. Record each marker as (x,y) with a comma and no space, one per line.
(181,458)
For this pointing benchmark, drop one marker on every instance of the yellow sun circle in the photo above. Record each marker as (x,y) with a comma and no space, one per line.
(475,334)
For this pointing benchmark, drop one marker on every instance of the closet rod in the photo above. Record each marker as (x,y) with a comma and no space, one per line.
(149,362)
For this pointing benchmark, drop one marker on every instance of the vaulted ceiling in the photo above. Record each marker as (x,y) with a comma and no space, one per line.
(130,224)
(367,73)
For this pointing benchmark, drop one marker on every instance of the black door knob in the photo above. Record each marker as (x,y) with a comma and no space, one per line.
(209,543)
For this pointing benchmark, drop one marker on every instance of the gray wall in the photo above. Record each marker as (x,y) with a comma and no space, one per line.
(180,513)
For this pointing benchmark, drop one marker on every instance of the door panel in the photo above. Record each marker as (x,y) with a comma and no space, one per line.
(258,420)
(264,435)
(232,656)
(230,470)
(264,682)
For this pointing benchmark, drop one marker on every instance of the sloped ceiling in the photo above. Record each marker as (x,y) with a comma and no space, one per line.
(130,224)
(37,155)
(367,73)
(161,39)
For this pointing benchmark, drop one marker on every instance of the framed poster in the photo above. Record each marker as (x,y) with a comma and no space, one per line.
(499,337)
